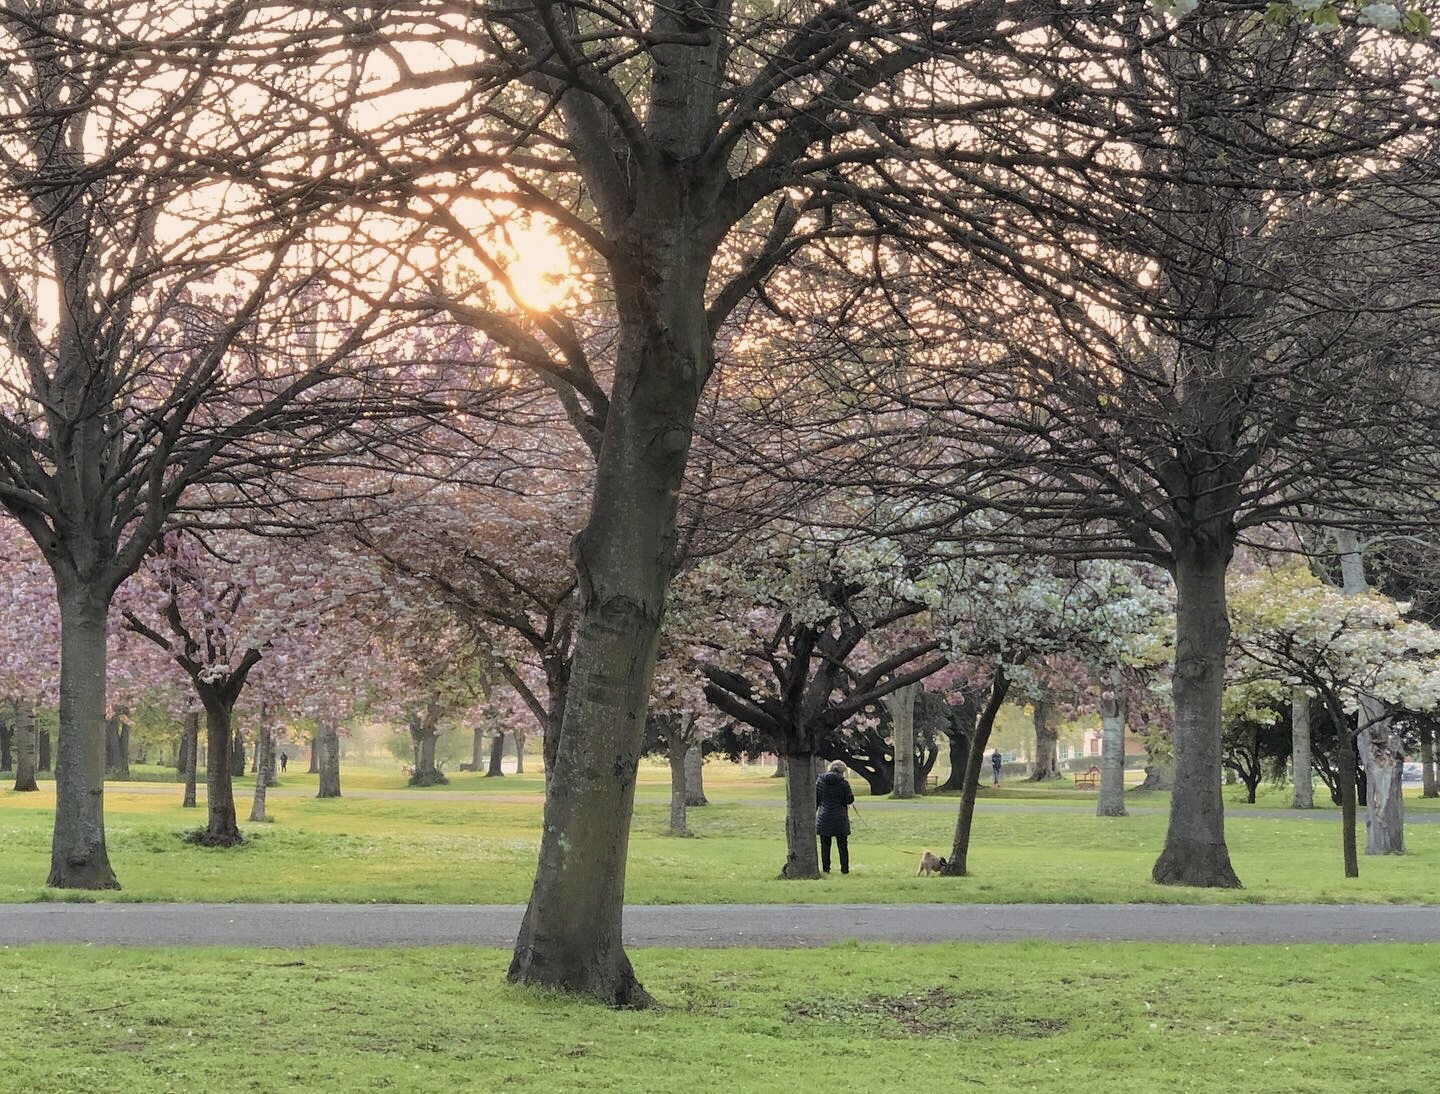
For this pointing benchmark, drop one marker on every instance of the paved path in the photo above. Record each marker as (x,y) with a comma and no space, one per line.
(768,925)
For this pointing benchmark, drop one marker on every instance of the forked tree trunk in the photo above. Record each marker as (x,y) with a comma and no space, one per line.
(327,758)
(1047,743)
(1427,760)
(1302,775)
(901,705)
(25,746)
(1111,800)
(675,752)
(802,851)
(222,828)
(78,857)
(1195,852)
(192,750)
(957,864)
(497,757)
(695,777)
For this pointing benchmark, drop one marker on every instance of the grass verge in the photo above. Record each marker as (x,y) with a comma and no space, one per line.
(1031,1016)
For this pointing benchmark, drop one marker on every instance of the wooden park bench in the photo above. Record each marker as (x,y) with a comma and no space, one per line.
(1090,780)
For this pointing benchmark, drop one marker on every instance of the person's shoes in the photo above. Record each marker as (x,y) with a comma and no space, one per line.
(845,871)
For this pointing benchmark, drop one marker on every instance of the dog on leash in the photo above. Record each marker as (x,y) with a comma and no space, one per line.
(930,863)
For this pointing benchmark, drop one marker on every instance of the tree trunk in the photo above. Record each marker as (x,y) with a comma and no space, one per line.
(46,759)
(314,768)
(222,828)
(477,747)
(237,753)
(497,756)
(327,759)
(1111,800)
(1427,760)
(695,777)
(7,743)
(1047,743)
(192,750)
(779,767)
(901,705)
(78,857)
(1346,773)
(25,746)
(117,764)
(675,751)
(1302,776)
(264,767)
(957,864)
(571,934)
(1195,852)
(802,852)
(1381,750)
(519,738)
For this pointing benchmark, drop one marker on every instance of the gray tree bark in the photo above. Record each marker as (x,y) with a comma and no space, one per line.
(191,751)
(675,752)
(695,777)
(518,737)
(1113,711)
(1195,852)
(477,747)
(78,856)
(1302,768)
(1429,789)
(327,759)
(497,756)
(26,746)
(802,852)
(1047,743)
(901,705)
(264,767)
(1381,749)
(222,827)
(957,864)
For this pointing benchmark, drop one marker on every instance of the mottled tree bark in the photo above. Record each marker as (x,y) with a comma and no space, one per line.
(25,746)
(695,777)
(675,751)
(1381,750)
(327,759)
(1302,775)
(1047,743)
(901,705)
(1111,800)
(192,749)
(497,756)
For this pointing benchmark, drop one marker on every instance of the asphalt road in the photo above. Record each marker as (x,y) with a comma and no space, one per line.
(713,925)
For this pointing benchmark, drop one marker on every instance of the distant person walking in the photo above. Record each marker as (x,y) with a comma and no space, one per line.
(995,767)
(284,759)
(833,797)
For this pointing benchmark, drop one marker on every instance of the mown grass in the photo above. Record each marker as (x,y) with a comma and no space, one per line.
(475,842)
(1026,1016)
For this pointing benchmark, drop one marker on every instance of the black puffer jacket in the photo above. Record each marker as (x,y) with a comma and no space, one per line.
(832,796)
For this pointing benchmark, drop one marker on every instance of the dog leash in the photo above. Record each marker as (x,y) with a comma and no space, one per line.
(887,846)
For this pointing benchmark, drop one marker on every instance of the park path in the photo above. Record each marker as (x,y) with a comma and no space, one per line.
(715,925)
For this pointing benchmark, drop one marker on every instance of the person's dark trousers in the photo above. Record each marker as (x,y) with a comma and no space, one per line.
(842,842)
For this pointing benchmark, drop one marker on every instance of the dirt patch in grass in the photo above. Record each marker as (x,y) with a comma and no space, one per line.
(938,1012)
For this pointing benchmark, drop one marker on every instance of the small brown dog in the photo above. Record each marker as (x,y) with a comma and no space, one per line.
(930,863)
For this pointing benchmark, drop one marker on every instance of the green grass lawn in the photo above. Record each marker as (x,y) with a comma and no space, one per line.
(475,840)
(1028,1016)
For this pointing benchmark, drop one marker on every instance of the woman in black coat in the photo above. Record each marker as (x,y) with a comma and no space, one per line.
(832,798)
